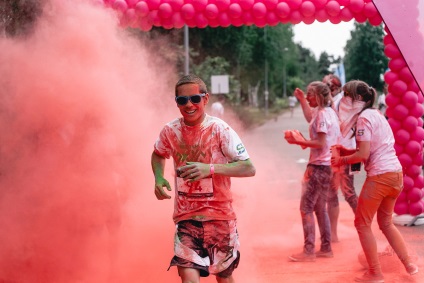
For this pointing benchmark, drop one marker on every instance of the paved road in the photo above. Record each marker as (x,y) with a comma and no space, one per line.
(270,224)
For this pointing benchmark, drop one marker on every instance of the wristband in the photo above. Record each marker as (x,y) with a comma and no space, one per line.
(212,169)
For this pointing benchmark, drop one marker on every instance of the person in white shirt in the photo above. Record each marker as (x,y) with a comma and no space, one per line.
(384,181)
(292,104)
(217,108)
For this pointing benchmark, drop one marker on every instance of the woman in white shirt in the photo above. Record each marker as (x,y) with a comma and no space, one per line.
(384,181)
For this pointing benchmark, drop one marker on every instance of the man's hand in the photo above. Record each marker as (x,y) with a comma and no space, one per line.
(160,193)
(195,171)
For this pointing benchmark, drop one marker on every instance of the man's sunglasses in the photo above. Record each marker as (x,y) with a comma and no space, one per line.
(195,99)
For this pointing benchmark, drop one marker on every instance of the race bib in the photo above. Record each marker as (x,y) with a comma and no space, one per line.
(202,188)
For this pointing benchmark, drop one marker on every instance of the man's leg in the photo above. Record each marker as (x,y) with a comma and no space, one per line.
(229,279)
(333,207)
(189,275)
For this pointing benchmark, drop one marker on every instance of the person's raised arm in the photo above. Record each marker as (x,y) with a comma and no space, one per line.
(307,112)
(316,143)
(158,166)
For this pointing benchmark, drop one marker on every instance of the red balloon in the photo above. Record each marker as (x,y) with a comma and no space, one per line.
(418,158)
(321,16)
(153,4)
(370,10)
(307,9)
(392,100)
(309,20)
(405,75)
(356,6)
(213,23)
(270,4)
(417,110)
(272,19)
(142,9)
(402,197)
(201,21)
(398,88)
(416,208)
(395,124)
(187,11)
(295,17)
(335,20)
(360,18)
(200,5)
(390,77)
(259,10)
(401,208)
(283,10)
(405,160)
(408,183)
(413,148)
(177,20)
(248,4)
(344,2)
(345,14)
(401,112)
(333,8)
(397,64)
(294,4)
(319,3)
(410,123)
(224,20)
(414,195)
(398,148)
(419,181)
(388,39)
(413,170)
(413,86)
(260,22)
(390,112)
(235,11)
(176,4)
(410,99)
(165,10)
(402,136)
(420,97)
(222,4)
(211,11)
(418,134)
(391,51)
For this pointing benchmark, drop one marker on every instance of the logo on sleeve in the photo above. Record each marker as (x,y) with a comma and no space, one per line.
(361,132)
(240,148)
(321,124)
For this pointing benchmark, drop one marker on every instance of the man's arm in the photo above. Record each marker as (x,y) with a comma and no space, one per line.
(158,166)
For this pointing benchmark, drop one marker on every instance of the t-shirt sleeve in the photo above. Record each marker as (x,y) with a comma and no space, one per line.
(232,146)
(363,129)
(321,123)
(162,146)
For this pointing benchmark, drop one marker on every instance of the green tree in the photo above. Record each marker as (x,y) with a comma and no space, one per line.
(365,59)
(17,17)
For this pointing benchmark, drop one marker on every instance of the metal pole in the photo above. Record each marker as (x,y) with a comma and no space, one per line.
(186,47)
(266,79)
(285,49)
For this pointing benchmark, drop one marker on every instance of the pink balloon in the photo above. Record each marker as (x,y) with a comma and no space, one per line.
(413,148)
(248,4)
(390,112)
(356,6)
(333,8)
(405,75)
(401,208)
(375,21)
(418,134)
(120,5)
(394,124)
(420,122)
(307,9)
(419,181)
(222,4)
(388,39)
(295,17)
(416,208)
(344,2)
(294,4)
(224,19)
(270,4)
(319,3)
(396,64)
(412,86)
(153,4)
(309,20)
(247,18)
(234,11)
(176,4)
(167,23)
(414,195)
(413,170)
(401,112)
(177,20)
(345,14)
(392,100)
(405,160)
(283,10)
(142,9)
(201,20)
(418,159)
(420,97)
(335,20)
(131,3)
(260,22)
(417,110)
(359,17)
(390,77)
(410,99)
(145,24)
(211,11)
(370,10)
(200,5)
(398,88)
(272,19)
(321,15)
(259,10)
(165,10)
(408,183)
(402,136)
(402,197)
(154,18)
(398,149)
(213,23)
(391,51)
(410,123)
(187,11)
(237,22)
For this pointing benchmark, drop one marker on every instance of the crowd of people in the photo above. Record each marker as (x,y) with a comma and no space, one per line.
(344,130)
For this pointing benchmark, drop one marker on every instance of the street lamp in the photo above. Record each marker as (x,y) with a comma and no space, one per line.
(285,49)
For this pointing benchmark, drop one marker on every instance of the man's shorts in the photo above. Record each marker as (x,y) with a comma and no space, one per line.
(210,247)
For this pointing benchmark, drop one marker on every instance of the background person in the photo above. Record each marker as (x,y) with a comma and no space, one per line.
(324,131)
(206,153)
(384,181)
(217,108)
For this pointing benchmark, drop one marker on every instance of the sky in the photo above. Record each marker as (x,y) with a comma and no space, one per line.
(320,37)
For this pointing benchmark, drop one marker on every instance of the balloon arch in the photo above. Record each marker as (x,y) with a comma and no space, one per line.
(404,100)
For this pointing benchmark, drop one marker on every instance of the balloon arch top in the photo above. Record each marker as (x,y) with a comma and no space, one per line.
(404,100)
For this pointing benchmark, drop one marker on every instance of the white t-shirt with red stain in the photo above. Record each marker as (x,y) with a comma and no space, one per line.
(373,127)
(325,121)
(211,142)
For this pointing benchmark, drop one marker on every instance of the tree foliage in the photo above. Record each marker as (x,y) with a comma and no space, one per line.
(365,59)
(17,17)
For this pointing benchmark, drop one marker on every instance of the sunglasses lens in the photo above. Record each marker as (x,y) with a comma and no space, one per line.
(195,98)
(181,100)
